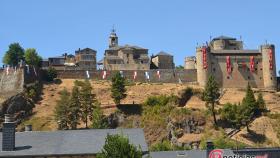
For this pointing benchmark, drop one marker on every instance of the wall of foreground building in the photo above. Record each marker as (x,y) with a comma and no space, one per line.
(166,76)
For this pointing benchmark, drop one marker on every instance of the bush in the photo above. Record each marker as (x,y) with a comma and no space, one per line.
(117,146)
(162,146)
(161,100)
(50,74)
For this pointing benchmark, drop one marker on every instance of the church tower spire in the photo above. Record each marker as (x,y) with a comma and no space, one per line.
(113,39)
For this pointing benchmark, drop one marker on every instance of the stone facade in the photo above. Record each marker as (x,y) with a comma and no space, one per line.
(232,66)
(86,59)
(190,62)
(125,57)
(163,60)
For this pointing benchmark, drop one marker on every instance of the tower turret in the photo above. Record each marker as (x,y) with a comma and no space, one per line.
(113,39)
(269,66)
(203,64)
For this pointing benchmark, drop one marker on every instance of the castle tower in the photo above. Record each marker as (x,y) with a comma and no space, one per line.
(203,64)
(190,62)
(113,39)
(269,66)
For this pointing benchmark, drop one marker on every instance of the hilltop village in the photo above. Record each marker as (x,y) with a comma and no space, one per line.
(225,97)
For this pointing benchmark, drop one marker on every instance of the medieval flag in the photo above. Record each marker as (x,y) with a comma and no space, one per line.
(158,74)
(252,64)
(7,70)
(204,58)
(147,75)
(104,73)
(135,75)
(87,73)
(27,69)
(270,59)
(121,72)
(34,71)
(228,65)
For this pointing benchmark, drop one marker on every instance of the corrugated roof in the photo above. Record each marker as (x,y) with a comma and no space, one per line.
(69,142)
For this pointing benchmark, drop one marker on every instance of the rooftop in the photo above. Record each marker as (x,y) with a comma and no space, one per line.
(240,52)
(69,142)
(223,38)
(163,53)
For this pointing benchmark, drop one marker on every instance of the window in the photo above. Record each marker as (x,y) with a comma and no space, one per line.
(214,69)
(248,77)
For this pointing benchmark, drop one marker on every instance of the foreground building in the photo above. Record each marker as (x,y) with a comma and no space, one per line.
(125,57)
(233,66)
(61,144)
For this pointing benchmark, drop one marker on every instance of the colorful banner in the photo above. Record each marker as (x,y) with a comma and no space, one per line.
(252,64)
(87,73)
(270,59)
(134,75)
(204,57)
(158,74)
(147,75)
(104,74)
(228,65)
(121,72)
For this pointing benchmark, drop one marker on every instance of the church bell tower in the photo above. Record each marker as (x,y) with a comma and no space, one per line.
(113,39)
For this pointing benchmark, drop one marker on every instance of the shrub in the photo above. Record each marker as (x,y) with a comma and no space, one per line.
(117,146)
(162,146)
(160,100)
(50,74)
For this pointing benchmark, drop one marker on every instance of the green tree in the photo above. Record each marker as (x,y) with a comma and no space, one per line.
(32,58)
(249,107)
(87,102)
(61,110)
(261,103)
(74,108)
(14,54)
(118,88)
(179,67)
(229,113)
(117,146)
(98,117)
(210,96)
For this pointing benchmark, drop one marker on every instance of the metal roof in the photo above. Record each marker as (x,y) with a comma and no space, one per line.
(69,142)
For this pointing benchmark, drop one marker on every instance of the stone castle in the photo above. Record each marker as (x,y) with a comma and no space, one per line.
(233,66)
(224,58)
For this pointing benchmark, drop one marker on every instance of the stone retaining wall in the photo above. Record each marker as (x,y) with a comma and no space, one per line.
(166,76)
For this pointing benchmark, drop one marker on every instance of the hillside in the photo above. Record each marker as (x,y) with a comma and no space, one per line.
(43,112)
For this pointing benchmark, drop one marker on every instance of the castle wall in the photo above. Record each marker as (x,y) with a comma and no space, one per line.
(202,73)
(241,74)
(166,75)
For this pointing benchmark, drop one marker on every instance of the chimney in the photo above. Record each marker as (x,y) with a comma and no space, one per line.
(209,147)
(8,133)
(28,128)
